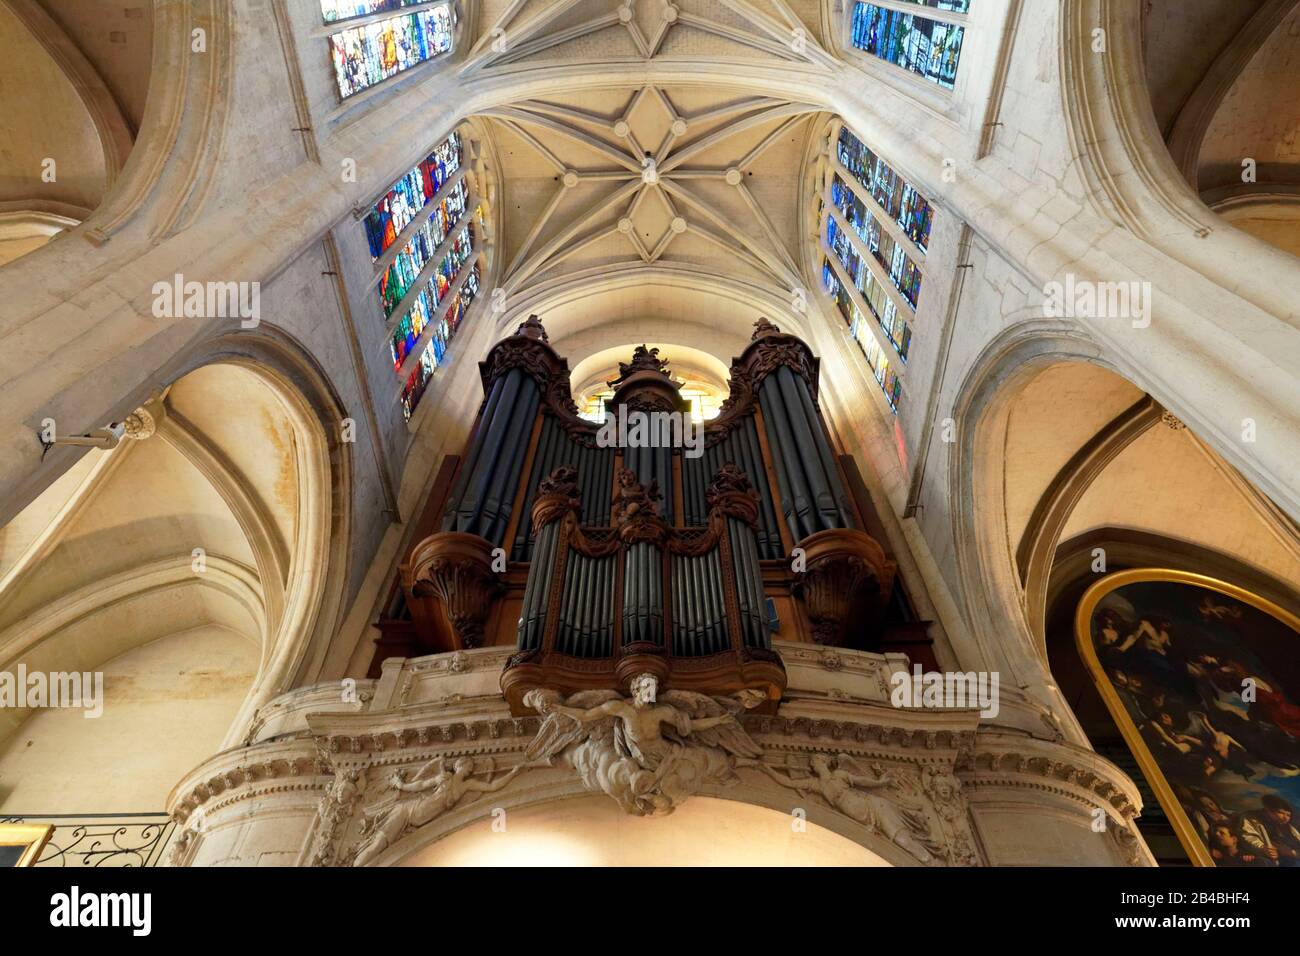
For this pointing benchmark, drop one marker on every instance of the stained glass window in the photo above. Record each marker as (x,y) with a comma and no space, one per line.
(878,301)
(886,376)
(433,353)
(899,198)
(422,247)
(928,48)
(872,212)
(891,255)
(407,331)
(427,271)
(956,6)
(406,197)
(371,52)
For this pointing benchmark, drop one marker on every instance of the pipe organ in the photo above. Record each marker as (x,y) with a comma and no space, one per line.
(604,552)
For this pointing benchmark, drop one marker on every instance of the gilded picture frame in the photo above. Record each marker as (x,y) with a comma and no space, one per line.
(29,839)
(1187,832)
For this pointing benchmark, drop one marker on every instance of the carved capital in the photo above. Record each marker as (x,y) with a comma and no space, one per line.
(144,421)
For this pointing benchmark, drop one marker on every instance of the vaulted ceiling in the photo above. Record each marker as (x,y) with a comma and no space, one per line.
(1223,76)
(74,79)
(642,193)
(192,522)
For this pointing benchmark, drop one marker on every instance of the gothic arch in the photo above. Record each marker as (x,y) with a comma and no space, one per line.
(726,334)
(1133,176)
(283,588)
(320,567)
(984,567)
(182,129)
(1010,517)
(1194,118)
(114,129)
(515,799)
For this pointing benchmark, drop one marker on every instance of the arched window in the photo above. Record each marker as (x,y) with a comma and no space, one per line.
(371,52)
(422,235)
(928,46)
(877,233)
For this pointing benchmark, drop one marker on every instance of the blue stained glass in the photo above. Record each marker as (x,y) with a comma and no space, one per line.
(899,198)
(928,48)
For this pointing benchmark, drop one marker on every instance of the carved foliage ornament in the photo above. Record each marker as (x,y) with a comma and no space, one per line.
(456,568)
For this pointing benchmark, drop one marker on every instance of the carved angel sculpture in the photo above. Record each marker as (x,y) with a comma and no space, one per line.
(648,754)
(851,790)
(431,792)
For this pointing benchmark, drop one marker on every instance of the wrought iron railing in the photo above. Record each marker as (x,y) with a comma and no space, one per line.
(101,839)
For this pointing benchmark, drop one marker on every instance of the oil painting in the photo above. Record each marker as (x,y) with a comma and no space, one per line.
(1201,677)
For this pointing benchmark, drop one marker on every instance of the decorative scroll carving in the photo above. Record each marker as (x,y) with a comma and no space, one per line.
(648,753)
(431,792)
(557,495)
(529,350)
(644,385)
(731,494)
(456,568)
(768,350)
(844,569)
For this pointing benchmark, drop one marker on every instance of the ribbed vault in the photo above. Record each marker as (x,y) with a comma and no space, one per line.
(623,204)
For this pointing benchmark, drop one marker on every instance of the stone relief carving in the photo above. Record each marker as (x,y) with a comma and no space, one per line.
(181,846)
(650,752)
(1130,846)
(880,799)
(335,810)
(432,791)
(952,832)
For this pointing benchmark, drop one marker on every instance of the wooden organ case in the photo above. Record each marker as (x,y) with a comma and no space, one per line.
(600,561)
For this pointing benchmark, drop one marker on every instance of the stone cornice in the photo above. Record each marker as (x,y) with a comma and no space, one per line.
(1002,761)
(247,772)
